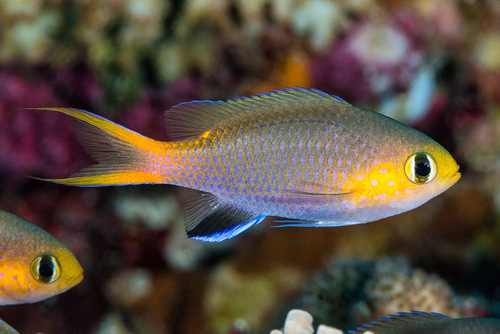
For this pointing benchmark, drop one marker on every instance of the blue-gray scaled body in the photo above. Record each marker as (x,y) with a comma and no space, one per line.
(429,323)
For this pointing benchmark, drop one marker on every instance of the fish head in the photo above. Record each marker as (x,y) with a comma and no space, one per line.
(405,178)
(39,272)
(53,272)
(428,171)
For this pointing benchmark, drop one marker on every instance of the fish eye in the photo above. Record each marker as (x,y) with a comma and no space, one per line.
(46,269)
(420,168)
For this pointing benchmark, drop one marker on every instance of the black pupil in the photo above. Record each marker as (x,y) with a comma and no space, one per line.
(422,166)
(46,268)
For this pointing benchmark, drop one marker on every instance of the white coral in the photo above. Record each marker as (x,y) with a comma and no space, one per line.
(300,322)
(318,19)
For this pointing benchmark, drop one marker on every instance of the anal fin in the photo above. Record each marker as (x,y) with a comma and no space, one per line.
(209,218)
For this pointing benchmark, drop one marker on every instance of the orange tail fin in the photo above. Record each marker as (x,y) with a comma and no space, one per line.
(123,156)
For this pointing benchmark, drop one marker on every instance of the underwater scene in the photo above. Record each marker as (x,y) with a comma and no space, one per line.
(238,167)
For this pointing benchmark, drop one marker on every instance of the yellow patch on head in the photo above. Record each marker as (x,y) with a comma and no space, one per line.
(383,182)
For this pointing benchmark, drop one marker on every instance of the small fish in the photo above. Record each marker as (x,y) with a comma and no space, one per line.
(33,264)
(299,154)
(430,323)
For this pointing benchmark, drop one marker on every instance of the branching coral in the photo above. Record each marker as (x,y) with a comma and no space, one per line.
(297,321)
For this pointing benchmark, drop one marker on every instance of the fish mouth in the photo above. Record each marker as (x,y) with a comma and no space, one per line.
(456,177)
(450,179)
(76,280)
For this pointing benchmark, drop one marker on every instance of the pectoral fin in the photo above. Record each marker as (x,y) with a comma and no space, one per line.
(311,223)
(307,192)
(208,218)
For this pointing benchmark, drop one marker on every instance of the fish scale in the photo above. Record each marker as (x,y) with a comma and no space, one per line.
(272,163)
(298,153)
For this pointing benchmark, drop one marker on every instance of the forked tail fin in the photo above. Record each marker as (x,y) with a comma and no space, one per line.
(123,156)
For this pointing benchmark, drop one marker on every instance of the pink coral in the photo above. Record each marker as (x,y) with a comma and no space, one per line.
(375,57)
(34,142)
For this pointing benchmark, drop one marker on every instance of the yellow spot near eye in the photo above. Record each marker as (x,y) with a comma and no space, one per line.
(379,184)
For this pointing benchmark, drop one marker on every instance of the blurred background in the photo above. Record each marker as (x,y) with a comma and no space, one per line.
(432,64)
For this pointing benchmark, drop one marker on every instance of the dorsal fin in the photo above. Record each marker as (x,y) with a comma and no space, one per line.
(400,323)
(192,119)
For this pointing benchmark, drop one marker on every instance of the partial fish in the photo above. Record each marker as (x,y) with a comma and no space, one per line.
(299,154)
(33,264)
(430,323)
(5,328)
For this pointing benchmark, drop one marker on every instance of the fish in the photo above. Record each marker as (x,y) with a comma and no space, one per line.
(301,154)
(33,264)
(416,322)
(5,328)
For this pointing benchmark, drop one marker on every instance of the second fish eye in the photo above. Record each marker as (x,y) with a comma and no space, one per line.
(420,168)
(45,268)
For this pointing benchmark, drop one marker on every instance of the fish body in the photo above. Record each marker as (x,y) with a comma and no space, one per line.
(298,154)
(33,264)
(430,323)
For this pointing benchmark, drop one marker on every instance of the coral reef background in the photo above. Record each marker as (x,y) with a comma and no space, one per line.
(434,65)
